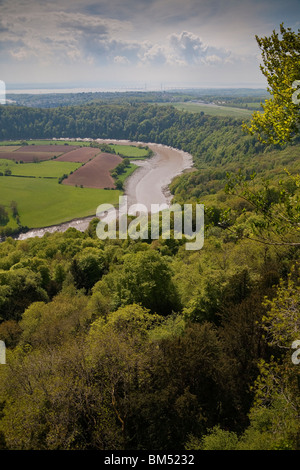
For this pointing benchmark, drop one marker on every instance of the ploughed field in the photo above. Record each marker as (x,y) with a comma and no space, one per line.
(32,153)
(26,157)
(81,155)
(95,173)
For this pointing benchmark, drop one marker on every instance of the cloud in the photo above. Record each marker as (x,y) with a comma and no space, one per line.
(185,49)
(58,35)
(122,10)
(191,50)
(138,37)
(155,54)
(82,38)
(122,60)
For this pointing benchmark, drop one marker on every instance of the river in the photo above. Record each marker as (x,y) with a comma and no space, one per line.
(148,185)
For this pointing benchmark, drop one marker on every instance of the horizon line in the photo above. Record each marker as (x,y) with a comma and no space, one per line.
(63,88)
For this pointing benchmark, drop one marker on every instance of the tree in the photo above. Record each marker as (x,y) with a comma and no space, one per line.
(277,209)
(3,216)
(56,400)
(50,324)
(274,416)
(145,278)
(130,322)
(215,439)
(187,389)
(119,185)
(87,267)
(282,322)
(14,209)
(10,332)
(281,57)
(18,289)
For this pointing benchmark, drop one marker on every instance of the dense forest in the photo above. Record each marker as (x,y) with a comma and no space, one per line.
(123,344)
(135,121)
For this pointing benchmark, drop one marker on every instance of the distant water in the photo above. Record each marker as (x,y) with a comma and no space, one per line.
(104,89)
(42,91)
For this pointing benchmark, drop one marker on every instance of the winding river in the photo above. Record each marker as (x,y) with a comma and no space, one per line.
(149,184)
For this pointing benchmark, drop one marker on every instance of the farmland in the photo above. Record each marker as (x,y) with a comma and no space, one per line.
(8,148)
(211,109)
(96,173)
(43,202)
(44,169)
(31,173)
(129,151)
(45,148)
(27,157)
(32,153)
(80,155)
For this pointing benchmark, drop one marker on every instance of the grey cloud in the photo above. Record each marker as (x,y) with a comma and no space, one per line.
(71,36)
(188,46)
(164,12)
(8,45)
(108,49)
(64,36)
(190,49)
(120,9)
(89,30)
(155,55)
(3,29)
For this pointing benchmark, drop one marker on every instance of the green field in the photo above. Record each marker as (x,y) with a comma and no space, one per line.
(43,202)
(48,168)
(255,105)
(212,110)
(129,151)
(131,168)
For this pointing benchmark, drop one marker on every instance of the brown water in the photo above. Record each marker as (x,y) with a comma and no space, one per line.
(147,185)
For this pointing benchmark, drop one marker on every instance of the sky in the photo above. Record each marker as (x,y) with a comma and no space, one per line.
(131,44)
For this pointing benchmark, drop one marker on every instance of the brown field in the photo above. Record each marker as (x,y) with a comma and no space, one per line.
(55,149)
(8,148)
(80,155)
(96,173)
(27,157)
(32,153)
